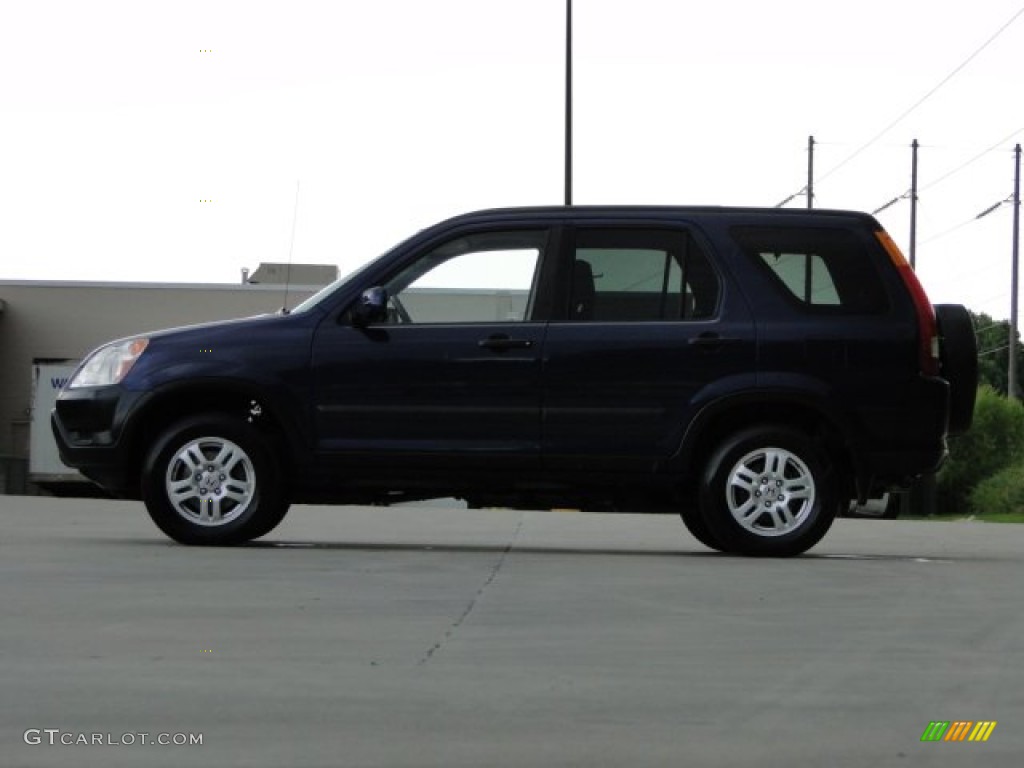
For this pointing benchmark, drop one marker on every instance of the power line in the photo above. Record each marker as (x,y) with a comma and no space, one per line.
(924,98)
(951,230)
(948,174)
(792,197)
(994,349)
(990,327)
(991,209)
(891,203)
(973,160)
(994,207)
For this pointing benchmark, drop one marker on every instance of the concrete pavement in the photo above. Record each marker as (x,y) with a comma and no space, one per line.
(442,637)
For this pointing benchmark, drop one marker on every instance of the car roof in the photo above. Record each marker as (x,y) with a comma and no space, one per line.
(790,215)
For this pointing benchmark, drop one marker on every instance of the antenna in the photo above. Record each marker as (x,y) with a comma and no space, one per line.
(291,247)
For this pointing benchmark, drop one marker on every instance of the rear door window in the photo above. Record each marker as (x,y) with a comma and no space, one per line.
(622,275)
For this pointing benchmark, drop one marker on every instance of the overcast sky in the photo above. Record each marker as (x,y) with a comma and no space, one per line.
(164,141)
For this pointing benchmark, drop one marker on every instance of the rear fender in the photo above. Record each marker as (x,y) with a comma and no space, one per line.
(805,408)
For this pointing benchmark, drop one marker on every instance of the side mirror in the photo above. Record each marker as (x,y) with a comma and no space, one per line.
(372,307)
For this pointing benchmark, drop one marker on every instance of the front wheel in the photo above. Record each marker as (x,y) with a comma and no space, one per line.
(210,479)
(768,491)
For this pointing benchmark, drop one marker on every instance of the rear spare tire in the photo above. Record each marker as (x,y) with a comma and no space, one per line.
(958,363)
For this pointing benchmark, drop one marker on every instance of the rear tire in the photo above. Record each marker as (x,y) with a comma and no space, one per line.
(694,522)
(768,491)
(213,480)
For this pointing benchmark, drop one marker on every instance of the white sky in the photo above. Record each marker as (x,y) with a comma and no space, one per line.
(115,122)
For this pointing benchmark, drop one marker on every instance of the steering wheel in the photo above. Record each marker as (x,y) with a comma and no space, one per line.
(399,310)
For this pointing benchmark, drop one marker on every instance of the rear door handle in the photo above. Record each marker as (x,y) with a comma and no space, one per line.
(501,343)
(711,340)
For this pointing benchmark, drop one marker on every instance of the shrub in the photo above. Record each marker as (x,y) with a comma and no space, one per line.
(1002,494)
(995,441)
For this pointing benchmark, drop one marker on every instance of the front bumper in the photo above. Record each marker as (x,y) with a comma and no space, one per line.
(89,428)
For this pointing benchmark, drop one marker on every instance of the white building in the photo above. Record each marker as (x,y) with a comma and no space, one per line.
(49,322)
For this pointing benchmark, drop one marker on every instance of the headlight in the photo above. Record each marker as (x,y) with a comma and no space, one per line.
(109,364)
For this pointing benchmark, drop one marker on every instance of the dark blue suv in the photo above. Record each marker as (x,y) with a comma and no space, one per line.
(750,369)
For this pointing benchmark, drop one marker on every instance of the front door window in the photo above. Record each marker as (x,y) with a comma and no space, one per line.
(481,278)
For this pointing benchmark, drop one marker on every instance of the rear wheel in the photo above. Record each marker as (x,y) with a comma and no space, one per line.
(211,479)
(768,491)
(694,522)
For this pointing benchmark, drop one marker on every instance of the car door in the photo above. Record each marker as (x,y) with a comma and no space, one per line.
(452,376)
(650,325)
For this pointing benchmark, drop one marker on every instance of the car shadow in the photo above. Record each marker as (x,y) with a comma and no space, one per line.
(442,547)
(499,549)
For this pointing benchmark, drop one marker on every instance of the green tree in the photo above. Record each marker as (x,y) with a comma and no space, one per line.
(1002,493)
(994,352)
(995,440)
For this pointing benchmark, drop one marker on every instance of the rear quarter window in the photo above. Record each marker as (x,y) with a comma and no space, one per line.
(821,269)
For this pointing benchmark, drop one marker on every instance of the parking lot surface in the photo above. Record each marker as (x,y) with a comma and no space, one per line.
(430,636)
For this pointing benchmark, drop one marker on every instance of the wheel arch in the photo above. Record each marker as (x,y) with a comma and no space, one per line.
(169,405)
(732,414)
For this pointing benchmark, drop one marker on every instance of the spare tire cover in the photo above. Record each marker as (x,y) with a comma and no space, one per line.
(958,359)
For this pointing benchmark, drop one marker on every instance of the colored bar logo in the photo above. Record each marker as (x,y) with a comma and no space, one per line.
(958,730)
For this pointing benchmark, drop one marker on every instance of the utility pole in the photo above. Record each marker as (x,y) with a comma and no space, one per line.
(568,102)
(810,171)
(921,496)
(913,204)
(1011,374)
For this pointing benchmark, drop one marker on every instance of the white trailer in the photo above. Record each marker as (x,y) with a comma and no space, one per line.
(44,465)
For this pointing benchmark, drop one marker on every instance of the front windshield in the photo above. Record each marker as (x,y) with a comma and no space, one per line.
(322,294)
(328,290)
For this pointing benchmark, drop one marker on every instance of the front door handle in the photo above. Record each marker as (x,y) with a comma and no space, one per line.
(501,343)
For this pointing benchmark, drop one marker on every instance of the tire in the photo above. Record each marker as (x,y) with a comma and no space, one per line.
(270,522)
(213,480)
(892,507)
(958,363)
(694,522)
(768,491)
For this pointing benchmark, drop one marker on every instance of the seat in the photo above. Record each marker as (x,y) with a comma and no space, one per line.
(581,307)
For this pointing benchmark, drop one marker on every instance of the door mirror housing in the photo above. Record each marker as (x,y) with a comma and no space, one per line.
(372,307)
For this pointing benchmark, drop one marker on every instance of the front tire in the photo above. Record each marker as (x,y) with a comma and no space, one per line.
(210,479)
(768,491)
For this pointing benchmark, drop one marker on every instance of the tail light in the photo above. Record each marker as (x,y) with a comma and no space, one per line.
(927,328)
